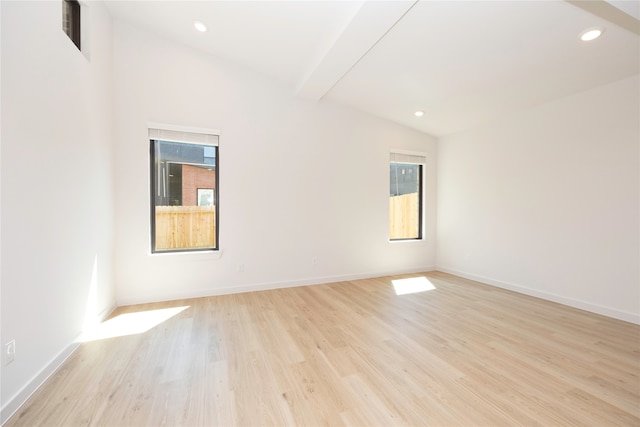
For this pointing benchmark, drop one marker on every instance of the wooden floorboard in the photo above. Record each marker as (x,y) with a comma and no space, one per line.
(352,354)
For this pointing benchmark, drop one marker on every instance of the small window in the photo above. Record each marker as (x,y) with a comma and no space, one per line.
(71,20)
(405,196)
(184,189)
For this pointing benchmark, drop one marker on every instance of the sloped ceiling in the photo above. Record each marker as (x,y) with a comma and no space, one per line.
(461,62)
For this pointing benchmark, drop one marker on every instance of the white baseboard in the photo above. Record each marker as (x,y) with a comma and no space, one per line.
(263,286)
(12,406)
(571,302)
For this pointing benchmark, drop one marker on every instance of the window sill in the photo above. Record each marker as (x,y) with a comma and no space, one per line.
(408,241)
(192,255)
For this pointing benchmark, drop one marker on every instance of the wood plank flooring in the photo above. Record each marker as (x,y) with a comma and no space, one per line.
(353,354)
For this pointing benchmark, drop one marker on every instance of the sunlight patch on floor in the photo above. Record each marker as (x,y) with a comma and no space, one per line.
(412,285)
(131,323)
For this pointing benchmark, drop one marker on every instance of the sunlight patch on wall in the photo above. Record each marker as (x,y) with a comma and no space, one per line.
(412,285)
(91,313)
(131,323)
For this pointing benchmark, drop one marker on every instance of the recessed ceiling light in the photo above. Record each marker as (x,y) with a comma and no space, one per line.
(591,34)
(200,26)
(419,113)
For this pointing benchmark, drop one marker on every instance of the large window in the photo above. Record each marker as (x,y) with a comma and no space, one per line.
(405,196)
(184,191)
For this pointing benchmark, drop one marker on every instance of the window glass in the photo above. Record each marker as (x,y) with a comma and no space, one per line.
(405,201)
(184,184)
(71,20)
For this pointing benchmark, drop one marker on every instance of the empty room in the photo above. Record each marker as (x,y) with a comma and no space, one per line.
(320,213)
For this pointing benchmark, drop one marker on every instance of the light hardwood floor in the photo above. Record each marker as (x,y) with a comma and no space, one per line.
(354,353)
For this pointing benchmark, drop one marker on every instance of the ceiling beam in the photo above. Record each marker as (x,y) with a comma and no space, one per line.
(369,25)
(607,11)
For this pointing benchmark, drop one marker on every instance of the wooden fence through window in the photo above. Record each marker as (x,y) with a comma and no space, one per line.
(185,227)
(403,216)
(188,227)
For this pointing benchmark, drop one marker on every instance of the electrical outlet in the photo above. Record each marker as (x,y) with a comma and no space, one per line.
(240,268)
(9,352)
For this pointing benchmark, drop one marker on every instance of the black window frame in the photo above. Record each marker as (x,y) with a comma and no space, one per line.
(420,167)
(153,183)
(71,21)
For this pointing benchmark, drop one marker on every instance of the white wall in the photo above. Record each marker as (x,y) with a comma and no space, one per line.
(298,180)
(546,201)
(56,189)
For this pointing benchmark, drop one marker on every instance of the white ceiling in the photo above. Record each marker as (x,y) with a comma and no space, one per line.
(462,62)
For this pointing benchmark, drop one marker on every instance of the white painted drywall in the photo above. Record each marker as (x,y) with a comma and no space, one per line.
(57,220)
(546,201)
(298,180)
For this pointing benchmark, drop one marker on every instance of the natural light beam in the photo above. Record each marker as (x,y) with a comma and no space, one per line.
(91,313)
(412,285)
(131,323)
